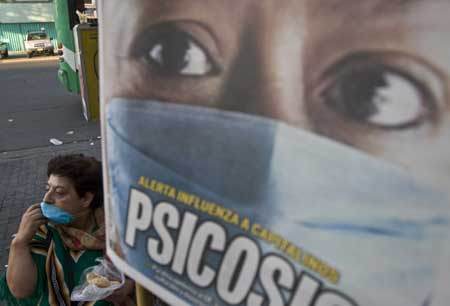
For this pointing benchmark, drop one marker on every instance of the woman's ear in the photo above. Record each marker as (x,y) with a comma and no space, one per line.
(87,199)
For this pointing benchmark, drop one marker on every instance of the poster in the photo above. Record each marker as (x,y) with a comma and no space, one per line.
(278,152)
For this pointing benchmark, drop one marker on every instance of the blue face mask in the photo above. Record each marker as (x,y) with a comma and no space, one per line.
(346,207)
(56,214)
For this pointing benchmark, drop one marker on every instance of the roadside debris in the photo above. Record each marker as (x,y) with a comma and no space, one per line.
(56,142)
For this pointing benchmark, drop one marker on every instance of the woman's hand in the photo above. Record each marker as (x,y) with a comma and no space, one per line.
(31,220)
(121,295)
(22,272)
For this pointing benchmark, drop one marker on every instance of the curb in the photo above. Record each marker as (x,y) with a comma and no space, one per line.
(14,59)
(80,145)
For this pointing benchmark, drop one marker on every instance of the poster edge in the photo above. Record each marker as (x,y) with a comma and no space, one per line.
(155,288)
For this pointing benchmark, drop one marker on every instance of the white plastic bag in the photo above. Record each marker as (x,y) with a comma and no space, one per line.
(98,282)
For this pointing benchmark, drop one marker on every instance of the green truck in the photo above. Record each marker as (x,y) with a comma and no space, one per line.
(65,20)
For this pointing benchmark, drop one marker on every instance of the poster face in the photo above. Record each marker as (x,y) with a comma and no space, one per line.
(278,152)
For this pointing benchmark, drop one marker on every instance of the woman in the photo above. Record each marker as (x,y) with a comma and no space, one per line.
(59,238)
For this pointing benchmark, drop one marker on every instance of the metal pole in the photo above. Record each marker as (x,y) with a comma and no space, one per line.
(143,296)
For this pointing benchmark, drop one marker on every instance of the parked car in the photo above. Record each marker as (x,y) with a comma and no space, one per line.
(38,43)
(3,49)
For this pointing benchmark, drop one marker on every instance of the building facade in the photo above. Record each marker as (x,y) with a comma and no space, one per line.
(18,17)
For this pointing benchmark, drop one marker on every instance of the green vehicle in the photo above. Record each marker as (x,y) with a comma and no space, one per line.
(65,19)
(77,32)
(3,49)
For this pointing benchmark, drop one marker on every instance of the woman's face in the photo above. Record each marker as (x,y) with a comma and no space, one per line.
(373,74)
(61,192)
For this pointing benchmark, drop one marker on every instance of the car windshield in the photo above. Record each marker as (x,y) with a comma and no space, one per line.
(37,36)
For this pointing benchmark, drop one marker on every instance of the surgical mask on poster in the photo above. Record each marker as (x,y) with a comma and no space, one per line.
(377,232)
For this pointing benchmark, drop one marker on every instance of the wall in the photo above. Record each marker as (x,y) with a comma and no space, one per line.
(14,33)
(17,17)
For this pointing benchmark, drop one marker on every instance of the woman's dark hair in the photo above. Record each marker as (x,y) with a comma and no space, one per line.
(85,173)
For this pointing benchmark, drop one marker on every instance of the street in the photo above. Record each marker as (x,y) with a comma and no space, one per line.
(35,109)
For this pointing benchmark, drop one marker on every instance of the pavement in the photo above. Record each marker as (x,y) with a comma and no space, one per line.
(35,107)
(23,155)
(21,57)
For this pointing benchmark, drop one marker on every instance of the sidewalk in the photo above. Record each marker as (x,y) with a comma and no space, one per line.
(22,183)
(17,57)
